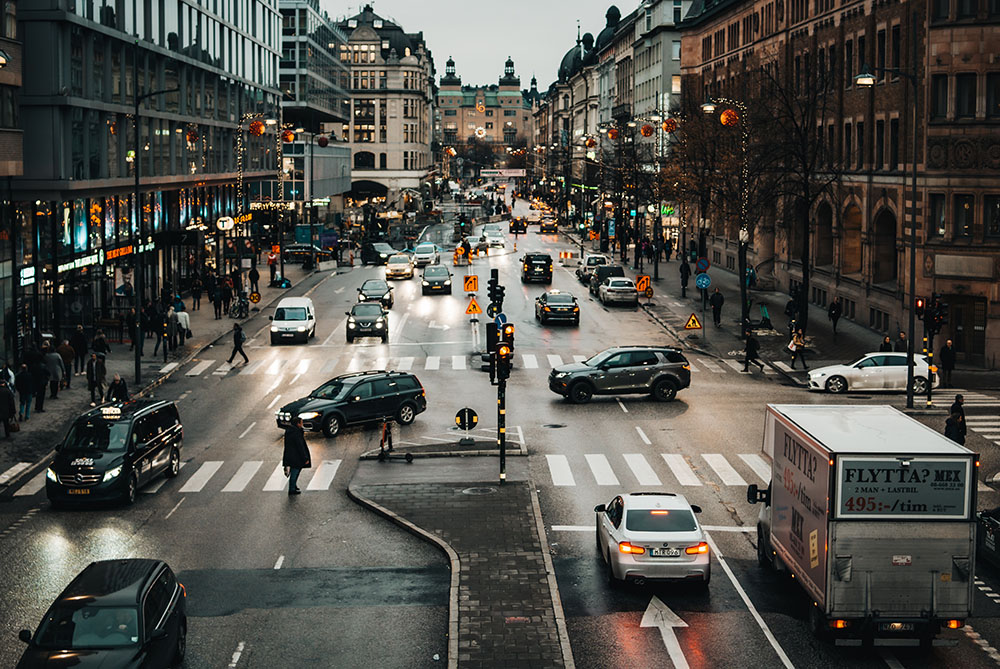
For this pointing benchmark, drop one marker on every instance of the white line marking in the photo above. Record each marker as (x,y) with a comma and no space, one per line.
(396,327)
(167,367)
(644,474)
(758,465)
(199,368)
(746,600)
(32,486)
(622,405)
(554,360)
(782,366)
(223,369)
(736,365)
(274,386)
(681,470)
(529,361)
(249,427)
(275,367)
(274,401)
(236,655)
(339,290)
(560,471)
(338,328)
(330,365)
(323,477)
(432,362)
(175,508)
(242,476)
(458,362)
(201,477)
(13,471)
(890,659)
(303,366)
(642,435)
(294,379)
(280,561)
(710,365)
(723,469)
(405,363)
(579,358)
(159,483)
(252,367)
(276,481)
(601,469)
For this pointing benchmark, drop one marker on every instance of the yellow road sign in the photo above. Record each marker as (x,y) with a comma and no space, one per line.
(693,323)
(642,282)
(471,283)
(473,307)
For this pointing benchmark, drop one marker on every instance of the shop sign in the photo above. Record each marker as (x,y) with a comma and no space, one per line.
(119,252)
(225,223)
(244,218)
(84,261)
(27,276)
(149,246)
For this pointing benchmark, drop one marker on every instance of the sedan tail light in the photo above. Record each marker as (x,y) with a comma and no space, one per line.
(695,550)
(626,547)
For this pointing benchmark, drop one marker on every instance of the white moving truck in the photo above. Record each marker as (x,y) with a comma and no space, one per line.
(873,513)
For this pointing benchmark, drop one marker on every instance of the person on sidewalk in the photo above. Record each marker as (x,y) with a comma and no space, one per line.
(798,348)
(296,455)
(40,371)
(239,337)
(162,338)
(100,343)
(172,328)
(68,355)
(717,300)
(901,344)
(24,384)
(79,343)
(216,297)
(97,373)
(118,390)
(196,287)
(183,326)
(834,313)
(227,294)
(954,428)
(54,363)
(8,374)
(254,277)
(958,406)
(886,345)
(7,409)
(751,349)
(685,270)
(947,358)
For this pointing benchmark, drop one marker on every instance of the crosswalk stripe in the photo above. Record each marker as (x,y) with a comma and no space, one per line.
(783,366)
(735,364)
(723,469)
(405,363)
(601,469)
(32,486)
(303,367)
(554,360)
(354,365)
(167,367)
(529,361)
(458,362)
(252,367)
(202,476)
(681,469)
(710,365)
(432,362)
(644,474)
(159,483)
(579,358)
(223,369)
(276,481)
(330,365)
(758,465)
(201,367)
(323,476)
(381,363)
(560,471)
(242,477)
(13,471)
(275,367)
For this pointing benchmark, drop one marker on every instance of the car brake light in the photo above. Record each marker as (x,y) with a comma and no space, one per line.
(695,550)
(659,512)
(626,547)
(183,589)
(839,624)
(953,624)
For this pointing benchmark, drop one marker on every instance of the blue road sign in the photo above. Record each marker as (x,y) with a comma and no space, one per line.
(703,281)
(611,227)
(500,320)
(702,265)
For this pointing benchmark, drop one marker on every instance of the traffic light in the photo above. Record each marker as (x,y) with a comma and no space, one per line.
(940,315)
(507,335)
(503,357)
(495,293)
(920,305)
(492,336)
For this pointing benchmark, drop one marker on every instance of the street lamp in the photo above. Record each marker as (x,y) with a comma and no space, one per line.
(866,79)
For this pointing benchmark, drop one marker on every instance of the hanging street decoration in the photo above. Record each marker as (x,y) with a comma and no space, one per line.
(287,136)
(257,128)
(670,125)
(729,117)
(646,130)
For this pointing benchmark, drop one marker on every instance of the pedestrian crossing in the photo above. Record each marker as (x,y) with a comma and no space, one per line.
(987,427)
(670,469)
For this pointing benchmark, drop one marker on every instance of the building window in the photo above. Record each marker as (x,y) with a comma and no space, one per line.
(848,136)
(450,112)
(849,63)
(675,49)
(940,10)
(675,84)
(991,215)
(880,54)
(879,144)
(677,12)
(964,213)
(489,125)
(860,126)
(965,95)
(935,218)
(510,112)
(862,54)
(894,48)
(993,94)
(966,9)
(894,144)
(939,96)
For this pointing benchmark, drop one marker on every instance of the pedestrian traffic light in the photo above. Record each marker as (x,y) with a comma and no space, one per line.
(496,293)
(920,305)
(503,360)
(507,335)
(940,315)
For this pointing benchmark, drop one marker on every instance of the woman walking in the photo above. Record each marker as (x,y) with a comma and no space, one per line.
(798,348)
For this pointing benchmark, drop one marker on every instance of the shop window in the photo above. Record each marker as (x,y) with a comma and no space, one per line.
(991,215)
(940,10)
(993,93)
(966,9)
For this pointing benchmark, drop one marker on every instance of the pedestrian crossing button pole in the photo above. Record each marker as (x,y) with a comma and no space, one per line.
(466,419)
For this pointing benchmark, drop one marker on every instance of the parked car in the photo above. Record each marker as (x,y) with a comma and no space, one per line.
(536,267)
(376,290)
(657,370)
(399,266)
(426,254)
(588,264)
(602,272)
(557,306)
(376,253)
(875,371)
(436,279)
(618,289)
(367,319)
(294,319)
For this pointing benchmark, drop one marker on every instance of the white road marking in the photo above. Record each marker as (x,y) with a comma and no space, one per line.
(175,508)
(749,604)
(339,290)
(782,366)
(601,468)
(554,360)
(323,477)
(275,367)
(274,386)
(458,362)
(405,363)
(13,471)
(710,365)
(681,469)
(237,654)
(723,469)
(529,361)
(396,327)
(303,367)
(249,427)
(32,486)
(167,367)
(758,465)
(355,364)
(890,659)
(159,483)
(252,367)
(276,481)
(644,474)
(201,367)
(560,471)
(737,365)
(279,562)
(223,369)
(202,476)
(381,363)
(330,365)
(579,358)
(642,435)
(432,362)
(339,328)
(242,476)
(622,405)
(274,401)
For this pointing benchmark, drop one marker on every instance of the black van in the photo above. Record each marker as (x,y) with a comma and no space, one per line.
(602,272)
(113,450)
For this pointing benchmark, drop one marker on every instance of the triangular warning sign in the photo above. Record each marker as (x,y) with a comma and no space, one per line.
(474,307)
(693,323)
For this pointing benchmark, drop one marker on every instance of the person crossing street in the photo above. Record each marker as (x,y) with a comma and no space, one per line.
(751,349)
(239,337)
(296,455)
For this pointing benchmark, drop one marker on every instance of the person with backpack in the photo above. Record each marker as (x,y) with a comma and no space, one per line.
(239,337)
(751,349)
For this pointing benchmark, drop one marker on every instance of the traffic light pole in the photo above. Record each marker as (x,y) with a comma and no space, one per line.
(502,427)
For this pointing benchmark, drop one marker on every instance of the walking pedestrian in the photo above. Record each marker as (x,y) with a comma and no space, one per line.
(68,355)
(183,326)
(227,295)
(296,455)
(100,343)
(24,383)
(40,372)
(751,348)
(668,248)
(132,323)
(947,357)
(798,348)
(685,271)
(196,287)
(901,345)
(886,345)
(54,363)
(172,328)
(161,333)
(96,375)
(792,313)
(117,390)
(834,313)
(79,343)
(216,297)
(272,265)
(717,300)
(7,409)
(238,338)
(254,277)
(958,406)
(954,428)
(7,374)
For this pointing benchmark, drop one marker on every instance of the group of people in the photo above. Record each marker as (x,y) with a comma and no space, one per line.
(165,320)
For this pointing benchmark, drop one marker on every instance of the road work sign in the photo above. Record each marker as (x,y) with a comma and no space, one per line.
(693,323)
(473,307)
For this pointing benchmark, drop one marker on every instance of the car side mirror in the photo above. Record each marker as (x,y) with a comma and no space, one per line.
(25,636)
(755,495)
(347,313)
(579,262)
(603,368)
(270,318)
(600,508)
(696,508)
(158,634)
(359,290)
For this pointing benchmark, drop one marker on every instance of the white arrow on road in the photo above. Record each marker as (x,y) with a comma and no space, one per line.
(434,326)
(659,615)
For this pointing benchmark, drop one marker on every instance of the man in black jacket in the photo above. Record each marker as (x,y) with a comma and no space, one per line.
(7,409)
(947,358)
(238,338)
(902,345)
(296,455)
(750,349)
(118,390)
(717,300)
(958,409)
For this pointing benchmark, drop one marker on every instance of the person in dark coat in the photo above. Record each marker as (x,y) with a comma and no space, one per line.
(751,349)
(958,407)
(100,343)
(901,344)
(96,375)
(7,409)
(68,355)
(239,337)
(834,313)
(685,271)
(254,277)
(296,455)
(162,330)
(118,390)
(954,428)
(132,323)
(172,328)
(227,295)
(40,371)
(216,297)
(24,383)
(886,345)
(79,343)
(196,287)
(717,300)
(947,358)
(54,363)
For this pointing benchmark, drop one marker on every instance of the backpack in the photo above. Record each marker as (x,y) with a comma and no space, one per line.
(241,337)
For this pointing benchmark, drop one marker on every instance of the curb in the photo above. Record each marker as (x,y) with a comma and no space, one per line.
(455,565)
(557,609)
(520,451)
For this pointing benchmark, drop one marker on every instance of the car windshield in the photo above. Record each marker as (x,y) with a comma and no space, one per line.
(399,260)
(425,248)
(97,435)
(375,286)
(331,390)
(383,248)
(620,283)
(290,314)
(366,310)
(74,626)
(660,520)
(599,358)
(559,298)
(599,260)
(436,272)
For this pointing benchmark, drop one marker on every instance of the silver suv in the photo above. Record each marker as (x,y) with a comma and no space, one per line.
(657,370)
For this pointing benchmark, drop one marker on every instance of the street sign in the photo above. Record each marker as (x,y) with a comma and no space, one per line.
(500,320)
(471,283)
(702,265)
(502,173)
(473,307)
(255,297)
(466,419)
(693,323)
(275,248)
(703,281)
(492,310)
(642,283)
(649,292)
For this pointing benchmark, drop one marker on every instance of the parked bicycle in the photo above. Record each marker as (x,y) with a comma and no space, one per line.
(241,307)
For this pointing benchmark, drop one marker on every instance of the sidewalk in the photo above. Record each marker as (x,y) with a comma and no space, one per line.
(504,608)
(40,434)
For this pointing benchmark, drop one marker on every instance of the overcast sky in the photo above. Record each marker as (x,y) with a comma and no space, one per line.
(480,35)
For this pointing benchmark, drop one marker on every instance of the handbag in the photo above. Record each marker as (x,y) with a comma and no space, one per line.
(792,347)
(189,334)
(15,426)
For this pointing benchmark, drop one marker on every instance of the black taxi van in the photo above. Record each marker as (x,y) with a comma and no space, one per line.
(113,450)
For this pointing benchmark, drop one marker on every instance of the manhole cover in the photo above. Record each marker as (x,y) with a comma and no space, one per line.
(554,425)
(479,491)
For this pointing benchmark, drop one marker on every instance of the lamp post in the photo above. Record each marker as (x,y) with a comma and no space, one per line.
(137,227)
(866,79)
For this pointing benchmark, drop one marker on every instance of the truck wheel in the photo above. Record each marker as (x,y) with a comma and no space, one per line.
(817,622)
(763,559)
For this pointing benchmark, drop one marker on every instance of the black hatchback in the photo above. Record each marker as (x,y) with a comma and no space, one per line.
(357,398)
(376,290)
(367,319)
(536,267)
(115,613)
(112,451)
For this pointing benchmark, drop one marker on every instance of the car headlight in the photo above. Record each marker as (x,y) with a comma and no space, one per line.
(576,308)
(382,255)
(301,328)
(379,321)
(561,375)
(378,325)
(386,296)
(50,474)
(447,282)
(425,282)
(309,415)
(274,329)
(112,473)
(361,297)
(350,326)
(351,319)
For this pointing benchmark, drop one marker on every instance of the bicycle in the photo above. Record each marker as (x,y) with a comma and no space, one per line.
(241,307)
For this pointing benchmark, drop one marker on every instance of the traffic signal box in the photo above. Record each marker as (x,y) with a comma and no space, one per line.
(933,312)
(503,360)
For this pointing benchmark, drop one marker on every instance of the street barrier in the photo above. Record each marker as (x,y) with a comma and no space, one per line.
(566,256)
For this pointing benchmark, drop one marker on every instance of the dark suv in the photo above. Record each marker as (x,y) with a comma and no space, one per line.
(115,613)
(602,272)
(657,370)
(536,267)
(113,450)
(357,398)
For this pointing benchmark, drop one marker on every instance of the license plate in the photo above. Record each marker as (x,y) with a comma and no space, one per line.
(288,334)
(665,552)
(896,627)
(78,491)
